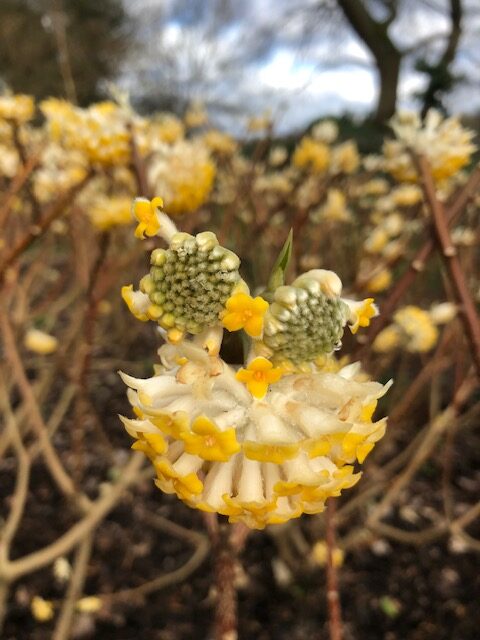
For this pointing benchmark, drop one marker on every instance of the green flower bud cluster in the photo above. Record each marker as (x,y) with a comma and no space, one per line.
(303,322)
(190,282)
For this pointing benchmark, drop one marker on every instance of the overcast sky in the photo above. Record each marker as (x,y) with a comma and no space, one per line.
(251,55)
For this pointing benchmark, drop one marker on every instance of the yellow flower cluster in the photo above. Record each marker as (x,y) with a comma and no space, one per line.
(100,131)
(311,155)
(184,174)
(413,329)
(220,143)
(334,209)
(105,213)
(16,108)
(443,141)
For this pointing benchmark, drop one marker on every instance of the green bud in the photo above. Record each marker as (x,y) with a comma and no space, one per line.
(303,323)
(191,281)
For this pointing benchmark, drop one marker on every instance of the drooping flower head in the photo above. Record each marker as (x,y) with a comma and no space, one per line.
(446,144)
(261,441)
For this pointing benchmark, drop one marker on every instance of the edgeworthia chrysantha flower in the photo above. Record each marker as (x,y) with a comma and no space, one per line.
(261,441)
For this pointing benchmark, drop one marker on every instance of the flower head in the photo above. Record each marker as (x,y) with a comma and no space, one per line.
(184,174)
(311,154)
(244,312)
(443,141)
(256,460)
(190,282)
(18,108)
(105,213)
(306,318)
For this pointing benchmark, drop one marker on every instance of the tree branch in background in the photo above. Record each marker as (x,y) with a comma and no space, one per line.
(387,56)
(440,77)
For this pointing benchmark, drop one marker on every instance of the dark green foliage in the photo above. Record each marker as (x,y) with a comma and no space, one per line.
(29,63)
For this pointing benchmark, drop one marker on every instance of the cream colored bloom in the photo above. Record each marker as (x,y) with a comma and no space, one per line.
(89,604)
(387,340)
(184,174)
(40,342)
(277,156)
(311,155)
(413,329)
(325,131)
(443,312)
(18,108)
(106,213)
(420,333)
(335,208)
(320,554)
(379,281)
(443,141)
(345,158)
(258,461)
(42,610)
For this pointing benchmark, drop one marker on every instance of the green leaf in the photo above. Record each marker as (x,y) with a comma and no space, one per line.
(390,606)
(277,276)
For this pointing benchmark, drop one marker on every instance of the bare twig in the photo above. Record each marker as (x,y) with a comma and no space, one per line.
(52,212)
(52,460)
(16,186)
(19,497)
(65,543)
(449,255)
(418,264)
(436,429)
(75,588)
(333,598)
(138,166)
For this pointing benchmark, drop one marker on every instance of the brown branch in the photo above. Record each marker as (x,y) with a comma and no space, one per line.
(16,186)
(52,460)
(59,23)
(435,430)
(52,212)
(138,166)
(75,588)
(418,264)
(333,598)
(84,358)
(225,556)
(65,543)
(468,311)
(22,154)
(19,499)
